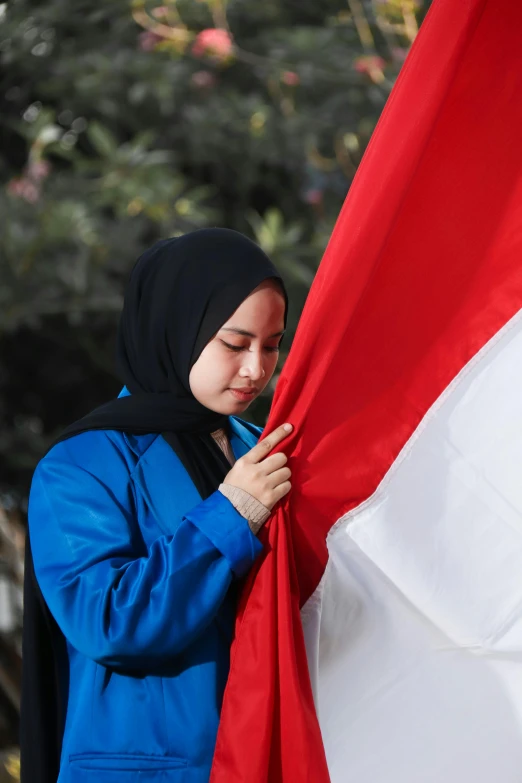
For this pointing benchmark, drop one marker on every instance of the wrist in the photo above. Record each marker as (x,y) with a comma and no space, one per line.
(255,512)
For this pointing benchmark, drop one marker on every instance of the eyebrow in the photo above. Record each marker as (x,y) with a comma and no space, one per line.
(243,332)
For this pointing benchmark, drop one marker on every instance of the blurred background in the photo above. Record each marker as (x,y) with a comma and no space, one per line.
(123,122)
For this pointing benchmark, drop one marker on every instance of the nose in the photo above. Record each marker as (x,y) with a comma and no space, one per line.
(253,366)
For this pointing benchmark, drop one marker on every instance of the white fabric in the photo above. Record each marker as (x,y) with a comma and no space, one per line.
(414,635)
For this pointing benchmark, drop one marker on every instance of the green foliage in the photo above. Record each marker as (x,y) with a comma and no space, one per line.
(122,123)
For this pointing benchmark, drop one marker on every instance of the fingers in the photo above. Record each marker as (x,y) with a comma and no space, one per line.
(265,446)
(263,474)
(282,490)
(273,462)
(279,477)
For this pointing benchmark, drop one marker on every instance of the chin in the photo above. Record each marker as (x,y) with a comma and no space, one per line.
(231,408)
(226,405)
(238,406)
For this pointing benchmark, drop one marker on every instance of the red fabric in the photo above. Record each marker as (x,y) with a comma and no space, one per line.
(424,267)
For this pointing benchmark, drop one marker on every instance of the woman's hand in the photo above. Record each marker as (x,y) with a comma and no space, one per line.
(262,476)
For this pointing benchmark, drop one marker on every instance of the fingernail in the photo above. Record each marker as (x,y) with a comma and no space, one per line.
(287,427)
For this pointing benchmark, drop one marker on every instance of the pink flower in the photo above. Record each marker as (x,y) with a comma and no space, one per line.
(14,186)
(213,41)
(371,65)
(20,187)
(148,40)
(313,196)
(291,78)
(38,170)
(399,54)
(203,79)
(28,186)
(161,12)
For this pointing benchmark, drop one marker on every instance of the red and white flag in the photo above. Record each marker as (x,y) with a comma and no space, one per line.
(398,554)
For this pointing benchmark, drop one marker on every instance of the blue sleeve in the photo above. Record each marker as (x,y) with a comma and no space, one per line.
(115,601)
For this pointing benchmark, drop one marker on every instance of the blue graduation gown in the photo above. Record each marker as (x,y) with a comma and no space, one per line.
(137,571)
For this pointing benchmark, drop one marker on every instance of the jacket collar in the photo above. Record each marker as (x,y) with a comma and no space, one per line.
(241,437)
(163,480)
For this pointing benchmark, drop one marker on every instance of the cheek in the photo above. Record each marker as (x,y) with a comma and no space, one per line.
(228,367)
(223,366)
(207,372)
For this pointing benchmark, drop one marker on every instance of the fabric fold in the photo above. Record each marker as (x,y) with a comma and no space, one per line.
(422,270)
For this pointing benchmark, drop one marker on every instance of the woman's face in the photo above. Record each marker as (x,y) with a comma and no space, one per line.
(242,355)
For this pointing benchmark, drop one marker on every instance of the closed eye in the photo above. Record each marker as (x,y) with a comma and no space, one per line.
(237,348)
(233,347)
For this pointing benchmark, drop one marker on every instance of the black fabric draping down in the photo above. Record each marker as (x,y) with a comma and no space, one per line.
(179,294)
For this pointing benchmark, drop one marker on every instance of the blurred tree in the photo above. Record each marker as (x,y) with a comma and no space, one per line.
(120,124)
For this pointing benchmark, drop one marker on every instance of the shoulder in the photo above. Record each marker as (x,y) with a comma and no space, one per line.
(96,450)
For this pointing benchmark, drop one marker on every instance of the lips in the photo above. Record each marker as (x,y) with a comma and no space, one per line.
(243,395)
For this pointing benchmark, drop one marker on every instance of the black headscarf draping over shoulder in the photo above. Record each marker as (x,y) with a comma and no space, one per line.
(179,294)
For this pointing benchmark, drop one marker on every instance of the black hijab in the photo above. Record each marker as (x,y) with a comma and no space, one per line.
(180,292)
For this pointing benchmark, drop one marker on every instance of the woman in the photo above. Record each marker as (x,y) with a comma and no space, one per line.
(144,515)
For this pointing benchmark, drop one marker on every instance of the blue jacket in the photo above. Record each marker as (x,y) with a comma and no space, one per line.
(135,568)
